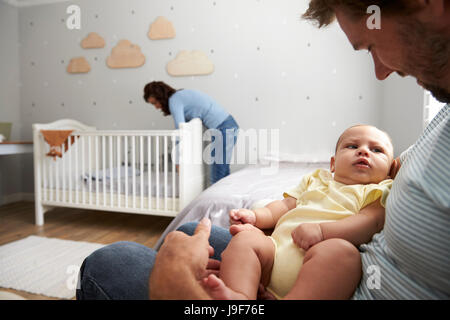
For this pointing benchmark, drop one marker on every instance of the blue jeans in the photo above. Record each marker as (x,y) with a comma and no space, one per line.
(229,130)
(120,271)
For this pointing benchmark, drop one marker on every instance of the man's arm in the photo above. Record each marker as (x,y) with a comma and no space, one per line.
(180,264)
(359,228)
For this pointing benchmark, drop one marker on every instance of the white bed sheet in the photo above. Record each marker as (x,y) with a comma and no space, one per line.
(242,189)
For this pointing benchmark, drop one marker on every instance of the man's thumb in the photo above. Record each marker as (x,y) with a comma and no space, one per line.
(203,227)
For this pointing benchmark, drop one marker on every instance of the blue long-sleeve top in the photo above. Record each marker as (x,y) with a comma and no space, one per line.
(186,104)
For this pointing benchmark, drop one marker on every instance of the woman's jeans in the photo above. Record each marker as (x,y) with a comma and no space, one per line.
(228,130)
(120,271)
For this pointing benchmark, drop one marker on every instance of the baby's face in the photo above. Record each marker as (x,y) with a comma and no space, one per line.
(364,155)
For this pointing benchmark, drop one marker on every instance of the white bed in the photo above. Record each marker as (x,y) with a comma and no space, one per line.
(125,171)
(248,187)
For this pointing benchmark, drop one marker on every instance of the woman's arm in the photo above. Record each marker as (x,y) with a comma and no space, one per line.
(176,108)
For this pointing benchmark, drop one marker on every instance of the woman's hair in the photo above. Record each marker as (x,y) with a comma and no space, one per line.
(323,11)
(161,92)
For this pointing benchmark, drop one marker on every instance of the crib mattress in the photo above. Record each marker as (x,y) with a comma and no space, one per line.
(115,202)
(140,185)
(159,185)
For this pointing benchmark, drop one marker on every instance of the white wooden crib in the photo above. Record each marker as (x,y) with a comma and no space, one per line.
(124,171)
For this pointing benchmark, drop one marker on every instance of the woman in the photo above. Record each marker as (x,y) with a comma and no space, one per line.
(185,105)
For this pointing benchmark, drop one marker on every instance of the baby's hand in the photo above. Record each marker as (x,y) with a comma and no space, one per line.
(306,235)
(242,216)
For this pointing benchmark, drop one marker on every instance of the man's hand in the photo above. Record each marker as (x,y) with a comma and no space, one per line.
(242,216)
(306,235)
(181,263)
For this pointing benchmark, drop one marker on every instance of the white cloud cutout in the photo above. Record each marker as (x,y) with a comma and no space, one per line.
(190,63)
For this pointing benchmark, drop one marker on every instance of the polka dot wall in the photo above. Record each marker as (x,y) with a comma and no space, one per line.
(271,69)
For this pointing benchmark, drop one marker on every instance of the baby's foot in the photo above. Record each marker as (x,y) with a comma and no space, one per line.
(217,289)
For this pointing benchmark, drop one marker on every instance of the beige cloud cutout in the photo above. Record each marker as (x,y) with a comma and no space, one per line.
(125,55)
(190,63)
(92,41)
(78,65)
(161,28)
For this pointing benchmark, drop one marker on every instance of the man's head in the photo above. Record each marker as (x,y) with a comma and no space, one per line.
(414,38)
(364,154)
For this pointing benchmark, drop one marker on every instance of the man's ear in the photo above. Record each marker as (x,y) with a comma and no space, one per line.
(332,168)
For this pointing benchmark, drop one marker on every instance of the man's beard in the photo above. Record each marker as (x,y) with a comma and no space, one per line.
(428,57)
(438,93)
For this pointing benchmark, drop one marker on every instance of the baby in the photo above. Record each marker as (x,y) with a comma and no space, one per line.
(323,206)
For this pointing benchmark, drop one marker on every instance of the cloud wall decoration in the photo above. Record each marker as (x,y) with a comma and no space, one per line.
(161,28)
(78,65)
(93,41)
(125,55)
(190,63)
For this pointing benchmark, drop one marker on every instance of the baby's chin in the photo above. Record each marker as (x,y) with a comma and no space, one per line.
(359,179)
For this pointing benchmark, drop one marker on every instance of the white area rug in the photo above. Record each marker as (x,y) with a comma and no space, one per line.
(44,266)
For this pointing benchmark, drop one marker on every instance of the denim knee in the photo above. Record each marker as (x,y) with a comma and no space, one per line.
(117,271)
(218,239)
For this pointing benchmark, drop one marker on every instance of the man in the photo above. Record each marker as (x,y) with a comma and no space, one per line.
(409,259)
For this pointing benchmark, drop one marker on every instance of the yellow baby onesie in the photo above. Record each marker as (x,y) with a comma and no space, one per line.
(319,199)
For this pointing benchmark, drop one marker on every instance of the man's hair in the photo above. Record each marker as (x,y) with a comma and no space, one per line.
(364,125)
(322,12)
(161,92)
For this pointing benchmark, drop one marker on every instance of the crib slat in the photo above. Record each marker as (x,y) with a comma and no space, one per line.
(77,177)
(126,171)
(44,170)
(104,170)
(90,167)
(173,172)
(69,147)
(83,171)
(133,163)
(165,172)
(111,180)
(50,177)
(96,172)
(118,171)
(57,180)
(63,173)
(157,171)
(149,169)
(141,154)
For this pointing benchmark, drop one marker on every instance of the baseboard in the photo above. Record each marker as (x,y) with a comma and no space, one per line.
(16,197)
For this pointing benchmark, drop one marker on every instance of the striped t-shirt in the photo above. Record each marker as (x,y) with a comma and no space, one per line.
(410,258)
